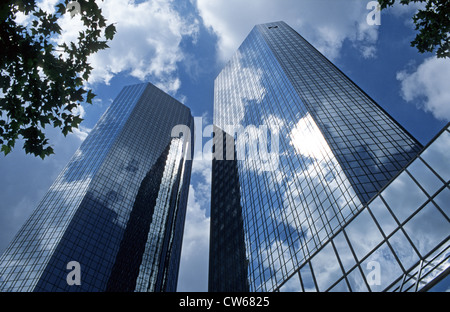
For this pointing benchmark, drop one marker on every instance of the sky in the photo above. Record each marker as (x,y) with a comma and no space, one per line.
(181,46)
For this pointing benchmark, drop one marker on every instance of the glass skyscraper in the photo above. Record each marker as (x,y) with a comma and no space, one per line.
(321,217)
(117,209)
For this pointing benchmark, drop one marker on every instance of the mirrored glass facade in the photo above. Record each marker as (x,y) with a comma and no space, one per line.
(337,150)
(399,241)
(118,207)
(227,236)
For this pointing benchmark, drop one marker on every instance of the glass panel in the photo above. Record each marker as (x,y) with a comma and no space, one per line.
(427,229)
(426,178)
(403,196)
(344,252)
(340,287)
(326,267)
(381,268)
(292,285)
(436,155)
(307,280)
(403,249)
(356,281)
(383,216)
(443,200)
(363,234)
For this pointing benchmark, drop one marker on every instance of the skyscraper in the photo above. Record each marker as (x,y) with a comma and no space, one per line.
(337,150)
(113,220)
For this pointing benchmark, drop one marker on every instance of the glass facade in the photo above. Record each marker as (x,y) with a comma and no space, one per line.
(399,241)
(337,150)
(227,246)
(118,207)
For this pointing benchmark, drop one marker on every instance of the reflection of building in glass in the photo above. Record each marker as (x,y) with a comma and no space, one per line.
(227,228)
(118,207)
(399,241)
(338,149)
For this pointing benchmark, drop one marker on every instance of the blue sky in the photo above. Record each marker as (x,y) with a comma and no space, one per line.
(181,47)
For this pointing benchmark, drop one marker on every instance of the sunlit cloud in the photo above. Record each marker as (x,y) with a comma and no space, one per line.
(427,87)
(327,24)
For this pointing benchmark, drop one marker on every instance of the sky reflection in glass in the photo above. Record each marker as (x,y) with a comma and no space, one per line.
(338,149)
(85,215)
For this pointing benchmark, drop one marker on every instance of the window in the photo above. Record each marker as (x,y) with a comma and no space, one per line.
(403,196)
(363,234)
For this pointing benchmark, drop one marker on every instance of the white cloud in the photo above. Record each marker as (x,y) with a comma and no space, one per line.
(427,87)
(326,23)
(195,256)
(202,165)
(193,274)
(47,5)
(306,139)
(81,132)
(147,42)
(146,45)
(323,174)
(405,10)
(237,97)
(70,28)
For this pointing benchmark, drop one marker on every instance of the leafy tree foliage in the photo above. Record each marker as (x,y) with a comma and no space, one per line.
(42,83)
(433,24)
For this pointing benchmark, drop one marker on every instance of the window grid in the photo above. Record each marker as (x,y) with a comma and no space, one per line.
(291,214)
(85,213)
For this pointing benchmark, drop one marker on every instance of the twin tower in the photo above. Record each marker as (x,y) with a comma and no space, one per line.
(352,201)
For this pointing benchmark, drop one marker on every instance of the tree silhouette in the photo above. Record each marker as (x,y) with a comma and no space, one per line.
(432,23)
(42,83)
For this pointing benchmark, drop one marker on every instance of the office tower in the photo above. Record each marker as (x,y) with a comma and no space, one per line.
(113,220)
(337,150)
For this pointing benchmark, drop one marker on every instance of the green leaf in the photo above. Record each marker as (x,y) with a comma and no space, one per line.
(110,31)
(76,121)
(61,8)
(90,96)
(6,149)
(31,101)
